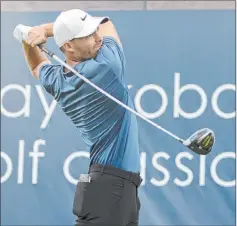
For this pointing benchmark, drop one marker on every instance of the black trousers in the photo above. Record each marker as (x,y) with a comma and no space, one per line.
(110,198)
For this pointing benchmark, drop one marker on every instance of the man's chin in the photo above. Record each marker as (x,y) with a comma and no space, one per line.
(92,56)
(95,54)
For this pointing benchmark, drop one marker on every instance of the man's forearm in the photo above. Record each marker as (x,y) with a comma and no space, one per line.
(34,57)
(49,29)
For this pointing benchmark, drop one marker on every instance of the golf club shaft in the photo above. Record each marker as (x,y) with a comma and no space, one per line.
(107,94)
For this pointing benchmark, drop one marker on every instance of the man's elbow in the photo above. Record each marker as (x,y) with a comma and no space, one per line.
(108,29)
(35,74)
(36,71)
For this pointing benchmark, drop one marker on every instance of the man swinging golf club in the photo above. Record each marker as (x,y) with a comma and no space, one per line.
(90,89)
(107,195)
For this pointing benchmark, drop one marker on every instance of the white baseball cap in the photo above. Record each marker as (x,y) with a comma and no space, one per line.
(75,23)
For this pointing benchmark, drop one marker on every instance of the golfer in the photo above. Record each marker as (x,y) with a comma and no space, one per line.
(107,195)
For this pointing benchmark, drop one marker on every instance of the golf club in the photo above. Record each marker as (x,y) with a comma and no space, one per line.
(201,142)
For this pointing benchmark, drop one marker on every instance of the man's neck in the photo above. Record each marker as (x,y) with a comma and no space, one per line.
(71,63)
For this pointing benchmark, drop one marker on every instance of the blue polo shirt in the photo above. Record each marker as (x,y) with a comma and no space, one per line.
(109,131)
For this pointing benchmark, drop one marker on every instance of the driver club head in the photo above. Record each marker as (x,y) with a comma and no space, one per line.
(201,142)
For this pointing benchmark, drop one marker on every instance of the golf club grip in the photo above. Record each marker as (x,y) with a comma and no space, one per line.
(108,95)
(41,46)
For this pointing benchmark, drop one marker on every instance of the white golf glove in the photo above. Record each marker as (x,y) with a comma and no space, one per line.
(21,32)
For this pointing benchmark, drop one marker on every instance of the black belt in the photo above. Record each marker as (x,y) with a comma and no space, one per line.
(106,169)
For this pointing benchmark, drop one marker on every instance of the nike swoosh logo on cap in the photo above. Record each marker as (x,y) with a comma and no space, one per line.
(84,18)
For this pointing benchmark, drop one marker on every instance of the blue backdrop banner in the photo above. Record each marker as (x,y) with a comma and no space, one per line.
(181,75)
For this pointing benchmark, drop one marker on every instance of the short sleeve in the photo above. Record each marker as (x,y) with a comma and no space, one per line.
(48,78)
(112,54)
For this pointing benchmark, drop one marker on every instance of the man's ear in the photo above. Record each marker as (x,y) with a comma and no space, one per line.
(67,47)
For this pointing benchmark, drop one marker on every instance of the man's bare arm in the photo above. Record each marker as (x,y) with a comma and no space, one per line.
(38,35)
(48,29)
(108,29)
(35,58)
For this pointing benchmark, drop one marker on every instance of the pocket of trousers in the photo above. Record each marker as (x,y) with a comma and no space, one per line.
(100,197)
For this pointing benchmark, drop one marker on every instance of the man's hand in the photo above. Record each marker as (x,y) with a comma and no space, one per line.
(36,36)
